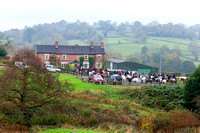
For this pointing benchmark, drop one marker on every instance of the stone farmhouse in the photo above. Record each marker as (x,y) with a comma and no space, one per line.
(71,54)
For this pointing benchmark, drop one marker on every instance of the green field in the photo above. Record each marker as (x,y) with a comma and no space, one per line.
(127,47)
(80,85)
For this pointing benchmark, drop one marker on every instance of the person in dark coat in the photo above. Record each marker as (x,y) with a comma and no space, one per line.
(174,77)
(106,70)
(169,77)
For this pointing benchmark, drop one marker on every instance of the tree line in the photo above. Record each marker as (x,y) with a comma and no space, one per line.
(64,31)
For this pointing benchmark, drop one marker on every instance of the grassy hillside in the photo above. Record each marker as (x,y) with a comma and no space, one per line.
(121,108)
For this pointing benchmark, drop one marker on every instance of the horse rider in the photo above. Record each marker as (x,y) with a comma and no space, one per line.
(120,74)
(174,77)
(149,75)
(101,73)
(163,76)
(169,77)
(133,76)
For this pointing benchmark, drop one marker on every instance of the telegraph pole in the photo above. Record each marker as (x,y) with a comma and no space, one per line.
(160,65)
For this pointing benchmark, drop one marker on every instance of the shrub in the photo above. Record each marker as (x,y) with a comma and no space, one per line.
(192,90)
(86,112)
(53,119)
(162,97)
(6,120)
(8,62)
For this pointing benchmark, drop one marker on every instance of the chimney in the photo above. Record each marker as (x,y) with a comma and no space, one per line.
(56,44)
(91,44)
(102,44)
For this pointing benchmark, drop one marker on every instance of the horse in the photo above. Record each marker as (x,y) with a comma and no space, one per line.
(183,79)
(105,75)
(148,80)
(171,80)
(123,78)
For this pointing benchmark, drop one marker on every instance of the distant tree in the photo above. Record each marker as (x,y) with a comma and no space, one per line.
(176,50)
(137,24)
(194,49)
(156,57)
(144,50)
(114,54)
(192,91)
(172,63)
(31,88)
(139,36)
(3,52)
(165,49)
(187,67)
(134,59)
(28,33)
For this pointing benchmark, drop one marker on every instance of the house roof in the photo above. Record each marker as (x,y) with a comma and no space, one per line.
(115,60)
(62,49)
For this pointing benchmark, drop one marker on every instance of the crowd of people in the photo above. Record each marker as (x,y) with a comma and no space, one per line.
(130,75)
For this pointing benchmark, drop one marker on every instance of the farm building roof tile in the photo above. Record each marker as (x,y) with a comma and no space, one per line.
(62,49)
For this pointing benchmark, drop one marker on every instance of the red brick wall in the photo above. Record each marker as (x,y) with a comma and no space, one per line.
(71,57)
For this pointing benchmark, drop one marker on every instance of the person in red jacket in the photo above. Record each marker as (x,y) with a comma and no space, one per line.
(101,72)
(133,76)
(120,74)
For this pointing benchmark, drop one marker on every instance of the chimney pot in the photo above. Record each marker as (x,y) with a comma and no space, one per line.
(102,44)
(91,44)
(56,44)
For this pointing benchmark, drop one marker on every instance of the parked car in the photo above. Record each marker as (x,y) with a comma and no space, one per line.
(97,79)
(115,79)
(51,68)
(21,65)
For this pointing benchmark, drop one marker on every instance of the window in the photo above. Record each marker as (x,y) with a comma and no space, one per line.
(64,57)
(98,65)
(46,56)
(63,64)
(85,64)
(98,57)
(85,57)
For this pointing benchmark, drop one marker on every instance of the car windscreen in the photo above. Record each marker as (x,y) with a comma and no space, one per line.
(97,76)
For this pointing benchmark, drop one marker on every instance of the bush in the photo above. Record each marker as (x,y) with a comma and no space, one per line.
(192,91)
(162,97)
(8,62)
(53,119)
(86,112)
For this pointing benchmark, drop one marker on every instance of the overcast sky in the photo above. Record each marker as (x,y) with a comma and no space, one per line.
(20,13)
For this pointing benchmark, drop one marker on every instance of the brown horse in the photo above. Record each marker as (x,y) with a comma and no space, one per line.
(184,80)
(172,81)
(148,81)
(105,75)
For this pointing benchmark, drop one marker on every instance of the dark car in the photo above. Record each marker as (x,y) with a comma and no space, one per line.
(115,79)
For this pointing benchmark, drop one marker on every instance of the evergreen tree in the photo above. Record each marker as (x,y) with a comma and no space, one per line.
(3,52)
(192,91)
